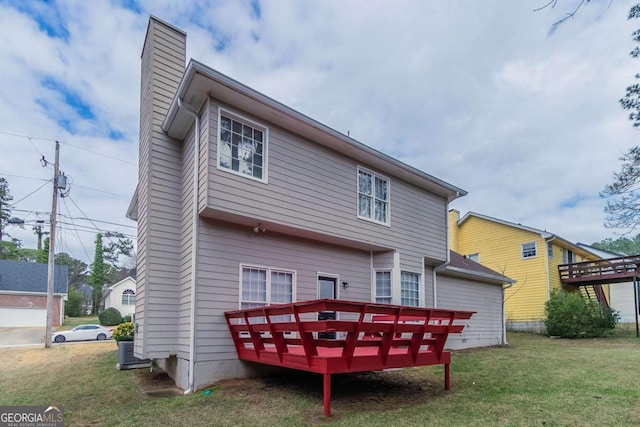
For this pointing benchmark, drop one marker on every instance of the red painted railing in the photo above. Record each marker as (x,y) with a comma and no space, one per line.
(368,337)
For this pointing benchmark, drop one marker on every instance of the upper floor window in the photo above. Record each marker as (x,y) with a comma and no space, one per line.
(475,257)
(550,249)
(568,256)
(529,250)
(373,196)
(383,287)
(128,297)
(242,147)
(410,289)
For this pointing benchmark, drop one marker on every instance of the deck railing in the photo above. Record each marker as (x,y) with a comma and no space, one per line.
(356,336)
(600,271)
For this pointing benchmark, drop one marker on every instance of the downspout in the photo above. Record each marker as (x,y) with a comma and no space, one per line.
(504,315)
(194,248)
(546,250)
(444,264)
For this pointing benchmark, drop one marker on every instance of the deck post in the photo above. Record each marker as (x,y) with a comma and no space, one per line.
(326,390)
(447,372)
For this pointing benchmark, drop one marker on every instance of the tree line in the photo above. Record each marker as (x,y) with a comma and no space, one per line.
(114,259)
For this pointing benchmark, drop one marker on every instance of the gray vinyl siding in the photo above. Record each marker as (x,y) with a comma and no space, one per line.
(485,327)
(159,196)
(314,189)
(224,246)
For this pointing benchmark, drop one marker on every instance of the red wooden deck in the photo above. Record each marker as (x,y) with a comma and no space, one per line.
(368,337)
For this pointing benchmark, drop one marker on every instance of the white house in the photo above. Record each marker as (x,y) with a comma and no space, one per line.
(122,296)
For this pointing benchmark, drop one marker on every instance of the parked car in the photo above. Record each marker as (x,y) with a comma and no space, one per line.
(83,333)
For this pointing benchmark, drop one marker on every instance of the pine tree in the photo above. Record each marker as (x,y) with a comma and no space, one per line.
(98,274)
(5,211)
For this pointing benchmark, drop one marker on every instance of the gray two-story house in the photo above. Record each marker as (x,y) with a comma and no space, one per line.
(243,201)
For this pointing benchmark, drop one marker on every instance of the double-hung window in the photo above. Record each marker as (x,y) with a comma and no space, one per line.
(529,250)
(373,196)
(410,289)
(383,287)
(242,146)
(260,286)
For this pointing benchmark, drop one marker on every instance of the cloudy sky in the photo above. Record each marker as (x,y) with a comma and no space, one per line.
(485,95)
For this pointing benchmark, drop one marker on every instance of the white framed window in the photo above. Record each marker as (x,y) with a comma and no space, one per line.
(410,289)
(529,250)
(550,249)
(383,287)
(568,256)
(260,286)
(474,257)
(373,196)
(128,297)
(242,146)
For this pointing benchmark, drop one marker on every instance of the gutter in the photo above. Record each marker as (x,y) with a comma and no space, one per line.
(546,249)
(194,248)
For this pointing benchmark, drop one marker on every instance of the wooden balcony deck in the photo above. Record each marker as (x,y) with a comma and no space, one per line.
(368,337)
(601,272)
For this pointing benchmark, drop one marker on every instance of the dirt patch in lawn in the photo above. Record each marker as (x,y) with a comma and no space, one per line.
(158,384)
(357,392)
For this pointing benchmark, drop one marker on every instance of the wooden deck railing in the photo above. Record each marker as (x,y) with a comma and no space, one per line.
(600,272)
(368,337)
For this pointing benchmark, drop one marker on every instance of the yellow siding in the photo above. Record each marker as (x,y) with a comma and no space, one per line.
(500,248)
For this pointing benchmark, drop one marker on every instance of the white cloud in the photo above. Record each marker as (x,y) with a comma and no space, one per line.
(480,94)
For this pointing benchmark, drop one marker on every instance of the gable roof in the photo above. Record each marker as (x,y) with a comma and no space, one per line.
(200,81)
(602,253)
(20,276)
(462,266)
(543,233)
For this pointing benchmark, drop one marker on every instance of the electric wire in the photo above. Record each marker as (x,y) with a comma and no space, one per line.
(14,203)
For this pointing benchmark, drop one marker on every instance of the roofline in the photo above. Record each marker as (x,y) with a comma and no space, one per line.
(132,210)
(544,234)
(361,150)
(463,272)
(121,281)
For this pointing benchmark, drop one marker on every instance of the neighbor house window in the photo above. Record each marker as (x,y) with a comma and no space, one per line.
(410,289)
(568,256)
(241,147)
(529,250)
(263,286)
(373,196)
(475,257)
(383,287)
(128,297)
(550,249)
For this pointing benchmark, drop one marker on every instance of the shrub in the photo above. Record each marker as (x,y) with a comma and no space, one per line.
(123,332)
(110,317)
(126,318)
(73,306)
(569,315)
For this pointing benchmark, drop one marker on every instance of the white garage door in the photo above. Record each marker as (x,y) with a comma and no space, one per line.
(22,317)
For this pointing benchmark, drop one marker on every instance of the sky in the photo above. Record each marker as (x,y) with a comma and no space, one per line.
(488,96)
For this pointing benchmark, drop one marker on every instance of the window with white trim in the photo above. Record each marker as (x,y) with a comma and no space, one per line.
(373,196)
(529,250)
(261,286)
(550,249)
(242,147)
(383,287)
(128,297)
(475,257)
(410,289)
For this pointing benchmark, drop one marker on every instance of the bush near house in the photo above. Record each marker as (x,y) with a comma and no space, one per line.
(110,317)
(569,315)
(123,332)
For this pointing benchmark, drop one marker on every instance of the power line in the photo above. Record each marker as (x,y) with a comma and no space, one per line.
(15,203)
(70,217)
(31,138)
(26,177)
(76,230)
(102,191)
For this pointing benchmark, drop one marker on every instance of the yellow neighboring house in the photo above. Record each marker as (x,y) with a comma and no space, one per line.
(525,254)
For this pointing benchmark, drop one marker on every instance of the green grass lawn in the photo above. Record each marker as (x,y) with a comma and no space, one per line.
(535,381)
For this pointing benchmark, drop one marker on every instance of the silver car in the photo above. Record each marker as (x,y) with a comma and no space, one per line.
(83,333)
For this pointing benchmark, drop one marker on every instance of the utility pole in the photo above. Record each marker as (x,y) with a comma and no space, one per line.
(38,231)
(52,244)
